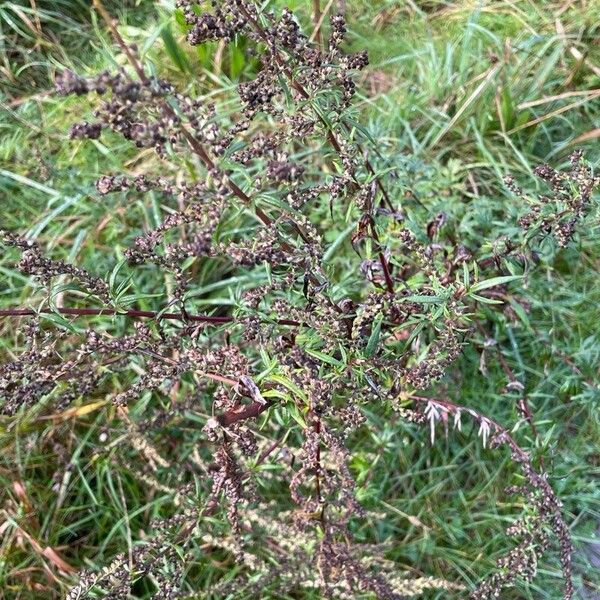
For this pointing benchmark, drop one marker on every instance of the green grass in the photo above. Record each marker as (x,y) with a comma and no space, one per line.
(461,93)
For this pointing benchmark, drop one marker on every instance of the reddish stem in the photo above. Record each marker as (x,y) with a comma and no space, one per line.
(453,408)
(317,427)
(27,312)
(389,283)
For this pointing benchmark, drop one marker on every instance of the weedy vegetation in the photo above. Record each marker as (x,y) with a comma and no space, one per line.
(282,320)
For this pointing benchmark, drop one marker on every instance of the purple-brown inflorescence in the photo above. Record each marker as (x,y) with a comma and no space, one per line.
(300,349)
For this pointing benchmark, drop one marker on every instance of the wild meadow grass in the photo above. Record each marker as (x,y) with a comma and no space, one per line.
(459,94)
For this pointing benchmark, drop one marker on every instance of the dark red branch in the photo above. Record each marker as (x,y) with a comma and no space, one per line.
(389,283)
(145,314)
(26,312)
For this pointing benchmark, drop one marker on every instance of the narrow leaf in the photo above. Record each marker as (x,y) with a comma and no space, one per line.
(494,281)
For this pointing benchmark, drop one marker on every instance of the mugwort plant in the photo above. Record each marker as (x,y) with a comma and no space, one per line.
(329,332)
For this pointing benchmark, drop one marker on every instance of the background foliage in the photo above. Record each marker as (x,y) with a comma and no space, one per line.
(462,93)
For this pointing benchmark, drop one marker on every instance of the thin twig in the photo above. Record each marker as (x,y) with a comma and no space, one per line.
(144,314)
(454,408)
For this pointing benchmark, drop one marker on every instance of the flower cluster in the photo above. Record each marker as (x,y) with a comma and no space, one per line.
(557,214)
(33,262)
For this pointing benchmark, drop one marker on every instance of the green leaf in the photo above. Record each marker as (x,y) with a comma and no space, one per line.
(466,276)
(494,281)
(173,50)
(267,361)
(337,243)
(521,313)
(374,337)
(113,276)
(508,107)
(297,416)
(290,385)
(414,333)
(59,321)
(278,203)
(324,357)
(485,300)
(343,353)
(180,19)
(270,365)
(277,394)
(133,298)
(237,61)
(421,299)
(360,127)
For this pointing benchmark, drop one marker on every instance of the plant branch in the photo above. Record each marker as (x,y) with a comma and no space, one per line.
(300,89)
(147,314)
(195,145)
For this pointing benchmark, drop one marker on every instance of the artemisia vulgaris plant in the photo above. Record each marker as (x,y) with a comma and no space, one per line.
(288,376)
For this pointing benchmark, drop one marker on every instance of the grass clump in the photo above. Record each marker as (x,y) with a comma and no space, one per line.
(235,355)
